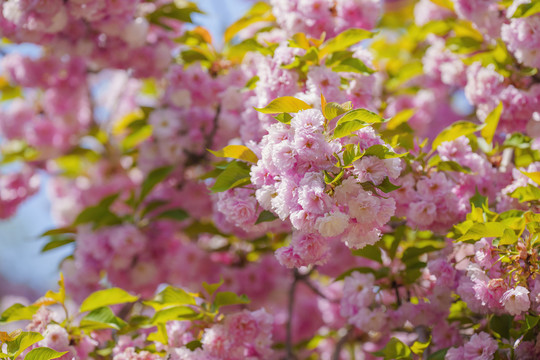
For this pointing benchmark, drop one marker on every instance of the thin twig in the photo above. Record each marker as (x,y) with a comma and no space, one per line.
(340,344)
(288,340)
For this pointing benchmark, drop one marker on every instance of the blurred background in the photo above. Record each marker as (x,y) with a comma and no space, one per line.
(24,270)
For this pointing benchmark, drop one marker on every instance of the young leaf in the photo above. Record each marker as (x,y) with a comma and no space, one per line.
(175,296)
(344,40)
(492,120)
(285,104)
(283,118)
(239,152)
(22,342)
(155,177)
(173,214)
(236,174)
(265,216)
(212,288)
(106,297)
(534,176)
(371,252)
(225,298)
(54,244)
(18,312)
(382,152)
(174,313)
(259,12)
(363,115)
(525,10)
(353,65)
(452,132)
(394,349)
(43,353)
(400,118)
(101,318)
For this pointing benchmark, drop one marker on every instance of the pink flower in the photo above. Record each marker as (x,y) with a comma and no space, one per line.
(480,347)
(516,300)
(332,224)
(422,213)
(56,337)
(370,168)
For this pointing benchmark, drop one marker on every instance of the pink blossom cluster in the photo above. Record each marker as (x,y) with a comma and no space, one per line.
(290,182)
(325,16)
(521,35)
(60,111)
(486,89)
(15,188)
(243,335)
(116,35)
(487,288)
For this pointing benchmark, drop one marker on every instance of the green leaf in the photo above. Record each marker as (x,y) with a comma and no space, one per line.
(481,230)
(59,231)
(283,118)
(452,166)
(285,104)
(394,349)
(457,129)
(235,174)
(526,193)
(101,318)
(419,347)
(174,296)
(371,252)
(212,288)
(478,200)
(382,152)
(18,312)
(400,118)
(193,345)
(492,120)
(363,115)
(379,273)
(173,214)
(173,314)
(154,177)
(438,355)
(106,297)
(226,298)
(99,213)
(265,216)
(56,244)
(386,186)
(530,321)
(412,253)
(136,137)
(153,205)
(259,12)
(252,83)
(353,65)
(351,154)
(22,342)
(43,353)
(239,152)
(332,110)
(355,120)
(160,335)
(525,10)
(501,324)
(509,237)
(179,10)
(534,176)
(344,40)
